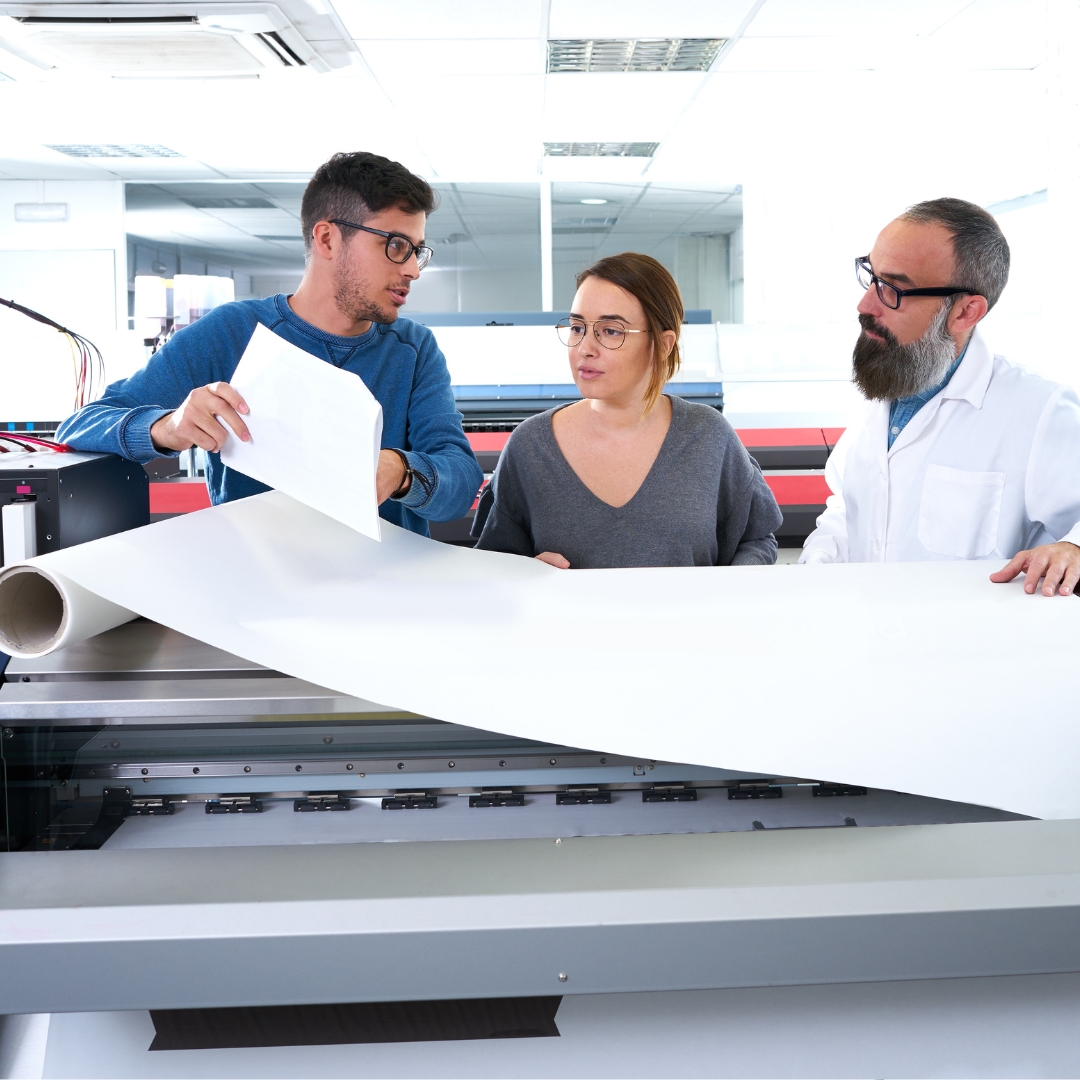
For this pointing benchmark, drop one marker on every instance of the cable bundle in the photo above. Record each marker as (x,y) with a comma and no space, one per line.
(29,443)
(85,355)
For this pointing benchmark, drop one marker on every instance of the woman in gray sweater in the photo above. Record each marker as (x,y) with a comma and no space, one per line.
(628,476)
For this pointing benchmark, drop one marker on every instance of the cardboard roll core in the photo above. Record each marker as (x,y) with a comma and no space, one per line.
(32,611)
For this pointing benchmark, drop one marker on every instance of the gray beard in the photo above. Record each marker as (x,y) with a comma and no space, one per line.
(885,370)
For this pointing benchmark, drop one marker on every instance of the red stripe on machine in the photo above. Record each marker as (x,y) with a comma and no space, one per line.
(780,436)
(488,440)
(798,490)
(178,496)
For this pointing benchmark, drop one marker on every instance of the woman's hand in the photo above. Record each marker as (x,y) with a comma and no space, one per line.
(554,559)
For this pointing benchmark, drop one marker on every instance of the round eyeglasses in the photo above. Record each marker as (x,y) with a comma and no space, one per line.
(399,248)
(611,335)
(891,296)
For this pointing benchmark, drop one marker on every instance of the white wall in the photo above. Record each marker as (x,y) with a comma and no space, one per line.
(73,271)
(509,355)
(446,289)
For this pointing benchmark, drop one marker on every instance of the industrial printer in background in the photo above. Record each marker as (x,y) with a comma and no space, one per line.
(495,397)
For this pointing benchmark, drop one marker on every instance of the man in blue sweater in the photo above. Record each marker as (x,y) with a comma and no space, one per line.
(363,219)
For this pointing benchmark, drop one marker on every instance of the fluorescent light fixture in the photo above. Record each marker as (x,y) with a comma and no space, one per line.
(201,203)
(42,211)
(632,54)
(113,150)
(568,226)
(594,202)
(597,149)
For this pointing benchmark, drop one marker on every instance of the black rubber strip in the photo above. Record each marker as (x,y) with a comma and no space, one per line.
(368,1022)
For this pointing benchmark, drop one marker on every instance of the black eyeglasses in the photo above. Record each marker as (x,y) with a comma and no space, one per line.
(399,248)
(891,296)
(611,335)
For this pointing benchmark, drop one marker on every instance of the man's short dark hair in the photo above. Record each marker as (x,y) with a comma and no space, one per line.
(979,246)
(354,187)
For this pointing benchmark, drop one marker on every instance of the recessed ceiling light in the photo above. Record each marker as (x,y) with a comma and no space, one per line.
(594,202)
(113,150)
(633,54)
(608,149)
(201,203)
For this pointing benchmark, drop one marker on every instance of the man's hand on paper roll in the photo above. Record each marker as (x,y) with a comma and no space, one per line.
(1059,563)
(560,562)
(198,421)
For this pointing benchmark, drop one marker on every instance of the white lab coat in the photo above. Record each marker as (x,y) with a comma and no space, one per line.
(988,467)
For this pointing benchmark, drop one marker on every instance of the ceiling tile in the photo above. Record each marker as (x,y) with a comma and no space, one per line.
(486,56)
(502,107)
(645,18)
(367,19)
(611,108)
(829,18)
(850,53)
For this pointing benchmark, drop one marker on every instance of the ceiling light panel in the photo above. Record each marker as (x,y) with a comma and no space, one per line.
(600,149)
(608,55)
(203,203)
(113,150)
(646,18)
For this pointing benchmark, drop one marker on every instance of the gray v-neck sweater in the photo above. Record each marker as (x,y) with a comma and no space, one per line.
(704,502)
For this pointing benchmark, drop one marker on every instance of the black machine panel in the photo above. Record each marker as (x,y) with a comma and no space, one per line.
(77,497)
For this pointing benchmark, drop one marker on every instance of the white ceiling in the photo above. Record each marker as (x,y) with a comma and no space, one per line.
(457,91)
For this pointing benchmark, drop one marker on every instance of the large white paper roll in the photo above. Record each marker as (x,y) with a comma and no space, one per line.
(918,677)
(42,610)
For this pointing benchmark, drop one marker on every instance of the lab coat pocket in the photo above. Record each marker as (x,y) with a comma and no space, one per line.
(959,512)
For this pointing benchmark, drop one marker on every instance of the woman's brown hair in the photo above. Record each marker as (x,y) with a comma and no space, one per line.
(655,289)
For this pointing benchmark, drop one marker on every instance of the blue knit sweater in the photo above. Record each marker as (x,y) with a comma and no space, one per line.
(400,363)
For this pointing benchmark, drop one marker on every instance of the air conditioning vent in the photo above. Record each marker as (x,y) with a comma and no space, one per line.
(596,149)
(165,40)
(102,20)
(114,150)
(276,44)
(633,54)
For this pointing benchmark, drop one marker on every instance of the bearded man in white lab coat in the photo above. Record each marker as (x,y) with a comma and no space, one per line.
(961,455)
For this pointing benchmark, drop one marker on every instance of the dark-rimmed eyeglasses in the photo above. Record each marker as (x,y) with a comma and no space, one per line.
(611,335)
(891,296)
(399,248)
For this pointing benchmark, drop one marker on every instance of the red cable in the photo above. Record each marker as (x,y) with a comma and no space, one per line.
(44,444)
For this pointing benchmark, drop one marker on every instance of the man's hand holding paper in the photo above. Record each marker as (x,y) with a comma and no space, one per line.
(200,420)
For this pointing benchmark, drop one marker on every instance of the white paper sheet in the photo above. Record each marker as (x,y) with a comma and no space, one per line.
(919,677)
(299,403)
